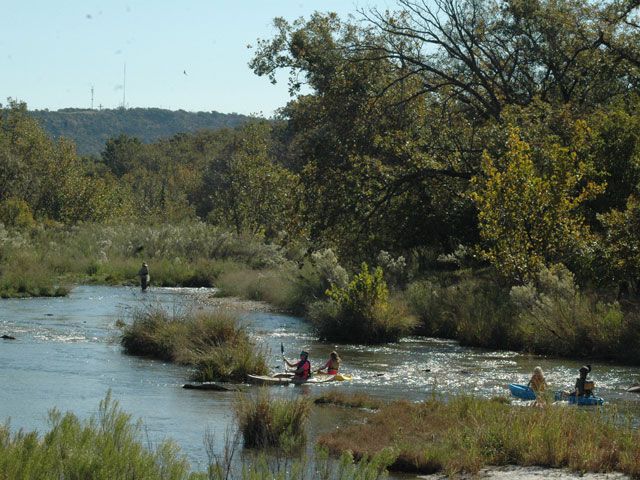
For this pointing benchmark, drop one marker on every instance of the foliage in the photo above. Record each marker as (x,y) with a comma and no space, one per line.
(215,342)
(554,316)
(529,217)
(361,311)
(249,192)
(466,434)
(91,129)
(107,446)
(266,422)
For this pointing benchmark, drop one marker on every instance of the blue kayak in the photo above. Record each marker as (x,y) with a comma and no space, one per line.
(575,400)
(522,391)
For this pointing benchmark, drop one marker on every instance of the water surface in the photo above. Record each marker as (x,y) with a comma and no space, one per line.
(67,355)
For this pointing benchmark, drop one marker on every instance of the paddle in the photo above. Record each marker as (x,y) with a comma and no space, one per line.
(282,352)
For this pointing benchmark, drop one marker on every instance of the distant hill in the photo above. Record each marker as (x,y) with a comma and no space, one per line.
(90,129)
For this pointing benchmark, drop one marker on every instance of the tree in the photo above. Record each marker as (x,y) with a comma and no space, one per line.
(529,217)
(247,191)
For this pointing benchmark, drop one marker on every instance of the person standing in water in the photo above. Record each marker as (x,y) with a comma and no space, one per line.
(145,278)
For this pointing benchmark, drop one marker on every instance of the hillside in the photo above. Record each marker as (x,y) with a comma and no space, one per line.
(90,129)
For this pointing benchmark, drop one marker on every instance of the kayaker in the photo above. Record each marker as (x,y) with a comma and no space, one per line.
(583,388)
(302,370)
(580,389)
(333,364)
(538,384)
(145,279)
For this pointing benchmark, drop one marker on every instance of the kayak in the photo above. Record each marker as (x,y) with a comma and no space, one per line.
(267,380)
(576,400)
(522,392)
(338,377)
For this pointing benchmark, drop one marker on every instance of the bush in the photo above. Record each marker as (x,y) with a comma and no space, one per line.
(361,311)
(266,422)
(16,213)
(214,342)
(108,446)
(555,317)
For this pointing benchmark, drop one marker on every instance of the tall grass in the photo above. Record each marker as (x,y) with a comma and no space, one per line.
(550,316)
(214,342)
(189,254)
(267,422)
(108,446)
(467,434)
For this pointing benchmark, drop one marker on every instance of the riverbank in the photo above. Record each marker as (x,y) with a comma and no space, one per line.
(466,434)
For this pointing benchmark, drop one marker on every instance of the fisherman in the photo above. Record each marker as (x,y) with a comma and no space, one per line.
(145,279)
(333,364)
(302,370)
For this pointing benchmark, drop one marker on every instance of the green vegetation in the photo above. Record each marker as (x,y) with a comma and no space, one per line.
(214,342)
(467,434)
(361,311)
(353,400)
(108,446)
(90,129)
(267,422)
(493,177)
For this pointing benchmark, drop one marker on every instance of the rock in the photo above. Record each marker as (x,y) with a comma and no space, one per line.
(218,387)
(8,337)
(634,389)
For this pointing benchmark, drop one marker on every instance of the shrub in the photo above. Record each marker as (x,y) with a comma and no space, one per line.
(214,342)
(361,311)
(15,212)
(266,422)
(555,317)
(108,446)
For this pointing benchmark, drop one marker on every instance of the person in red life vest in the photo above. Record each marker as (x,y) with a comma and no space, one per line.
(333,364)
(302,370)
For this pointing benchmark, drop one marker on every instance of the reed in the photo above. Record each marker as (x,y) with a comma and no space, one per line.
(352,400)
(467,434)
(108,446)
(214,342)
(267,422)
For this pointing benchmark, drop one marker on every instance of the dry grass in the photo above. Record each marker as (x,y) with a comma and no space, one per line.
(467,434)
(353,400)
(214,342)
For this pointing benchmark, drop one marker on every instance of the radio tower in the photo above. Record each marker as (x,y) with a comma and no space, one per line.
(124,88)
(91,97)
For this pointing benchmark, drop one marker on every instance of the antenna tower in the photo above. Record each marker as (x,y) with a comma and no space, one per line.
(91,97)
(124,87)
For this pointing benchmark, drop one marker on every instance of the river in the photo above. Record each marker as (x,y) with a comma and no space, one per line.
(67,355)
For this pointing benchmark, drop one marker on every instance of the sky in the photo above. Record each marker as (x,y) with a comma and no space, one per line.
(190,54)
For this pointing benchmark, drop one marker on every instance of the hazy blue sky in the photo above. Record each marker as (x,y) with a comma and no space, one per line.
(52,52)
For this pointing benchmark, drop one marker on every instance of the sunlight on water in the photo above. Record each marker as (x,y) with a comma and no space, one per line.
(67,354)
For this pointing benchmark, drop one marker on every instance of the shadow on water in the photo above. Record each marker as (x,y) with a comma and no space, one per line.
(66,354)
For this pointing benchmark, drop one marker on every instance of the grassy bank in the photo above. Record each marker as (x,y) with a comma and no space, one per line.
(467,434)
(110,446)
(34,261)
(549,316)
(215,343)
(106,447)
